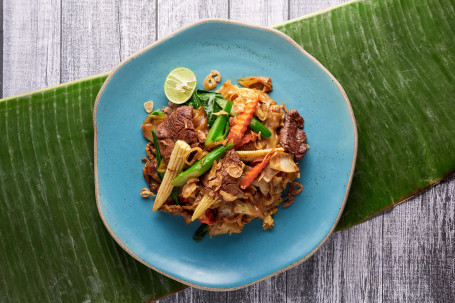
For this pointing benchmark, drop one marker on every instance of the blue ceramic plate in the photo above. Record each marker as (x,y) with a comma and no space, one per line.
(162,241)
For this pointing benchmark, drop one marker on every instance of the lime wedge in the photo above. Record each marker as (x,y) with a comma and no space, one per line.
(180,85)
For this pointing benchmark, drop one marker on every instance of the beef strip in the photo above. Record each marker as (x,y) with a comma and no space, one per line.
(178,126)
(229,184)
(292,136)
(151,174)
(169,108)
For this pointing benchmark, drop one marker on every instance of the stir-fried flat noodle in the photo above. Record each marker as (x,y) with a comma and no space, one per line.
(263,84)
(248,180)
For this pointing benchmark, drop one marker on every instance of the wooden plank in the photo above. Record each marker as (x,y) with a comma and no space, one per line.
(262,12)
(90,38)
(270,290)
(31,45)
(183,296)
(137,20)
(419,242)
(174,14)
(208,296)
(347,268)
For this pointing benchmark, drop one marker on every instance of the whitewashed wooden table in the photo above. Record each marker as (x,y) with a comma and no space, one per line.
(404,255)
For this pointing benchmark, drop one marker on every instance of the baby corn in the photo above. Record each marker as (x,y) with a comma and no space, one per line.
(203,205)
(250,155)
(174,167)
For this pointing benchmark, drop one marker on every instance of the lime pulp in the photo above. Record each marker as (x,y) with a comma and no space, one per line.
(179,85)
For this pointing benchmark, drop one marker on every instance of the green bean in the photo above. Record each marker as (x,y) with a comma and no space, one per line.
(157,112)
(201,232)
(223,102)
(258,127)
(218,130)
(201,166)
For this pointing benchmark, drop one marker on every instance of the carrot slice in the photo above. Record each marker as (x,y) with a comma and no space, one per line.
(255,171)
(241,123)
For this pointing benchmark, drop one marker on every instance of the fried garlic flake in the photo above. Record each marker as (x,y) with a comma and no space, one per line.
(148,106)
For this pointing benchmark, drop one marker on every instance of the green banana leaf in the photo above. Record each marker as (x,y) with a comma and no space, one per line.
(395,59)
(54,245)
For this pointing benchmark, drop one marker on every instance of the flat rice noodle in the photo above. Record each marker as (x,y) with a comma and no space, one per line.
(229,91)
(260,83)
(273,121)
(248,209)
(151,123)
(276,185)
(289,177)
(268,173)
(263,186)
(220,228)
(248,93)
(200,120)
(284,162)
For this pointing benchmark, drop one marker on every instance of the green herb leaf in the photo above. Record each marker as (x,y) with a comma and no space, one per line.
(208,101)
(194,101)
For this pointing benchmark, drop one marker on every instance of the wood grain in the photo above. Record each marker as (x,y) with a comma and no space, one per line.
(262,12)
(270,290)
(90,38)
(137,25)
(347,260)
(31,45)
(419,242)
(404,255)
(174,14)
